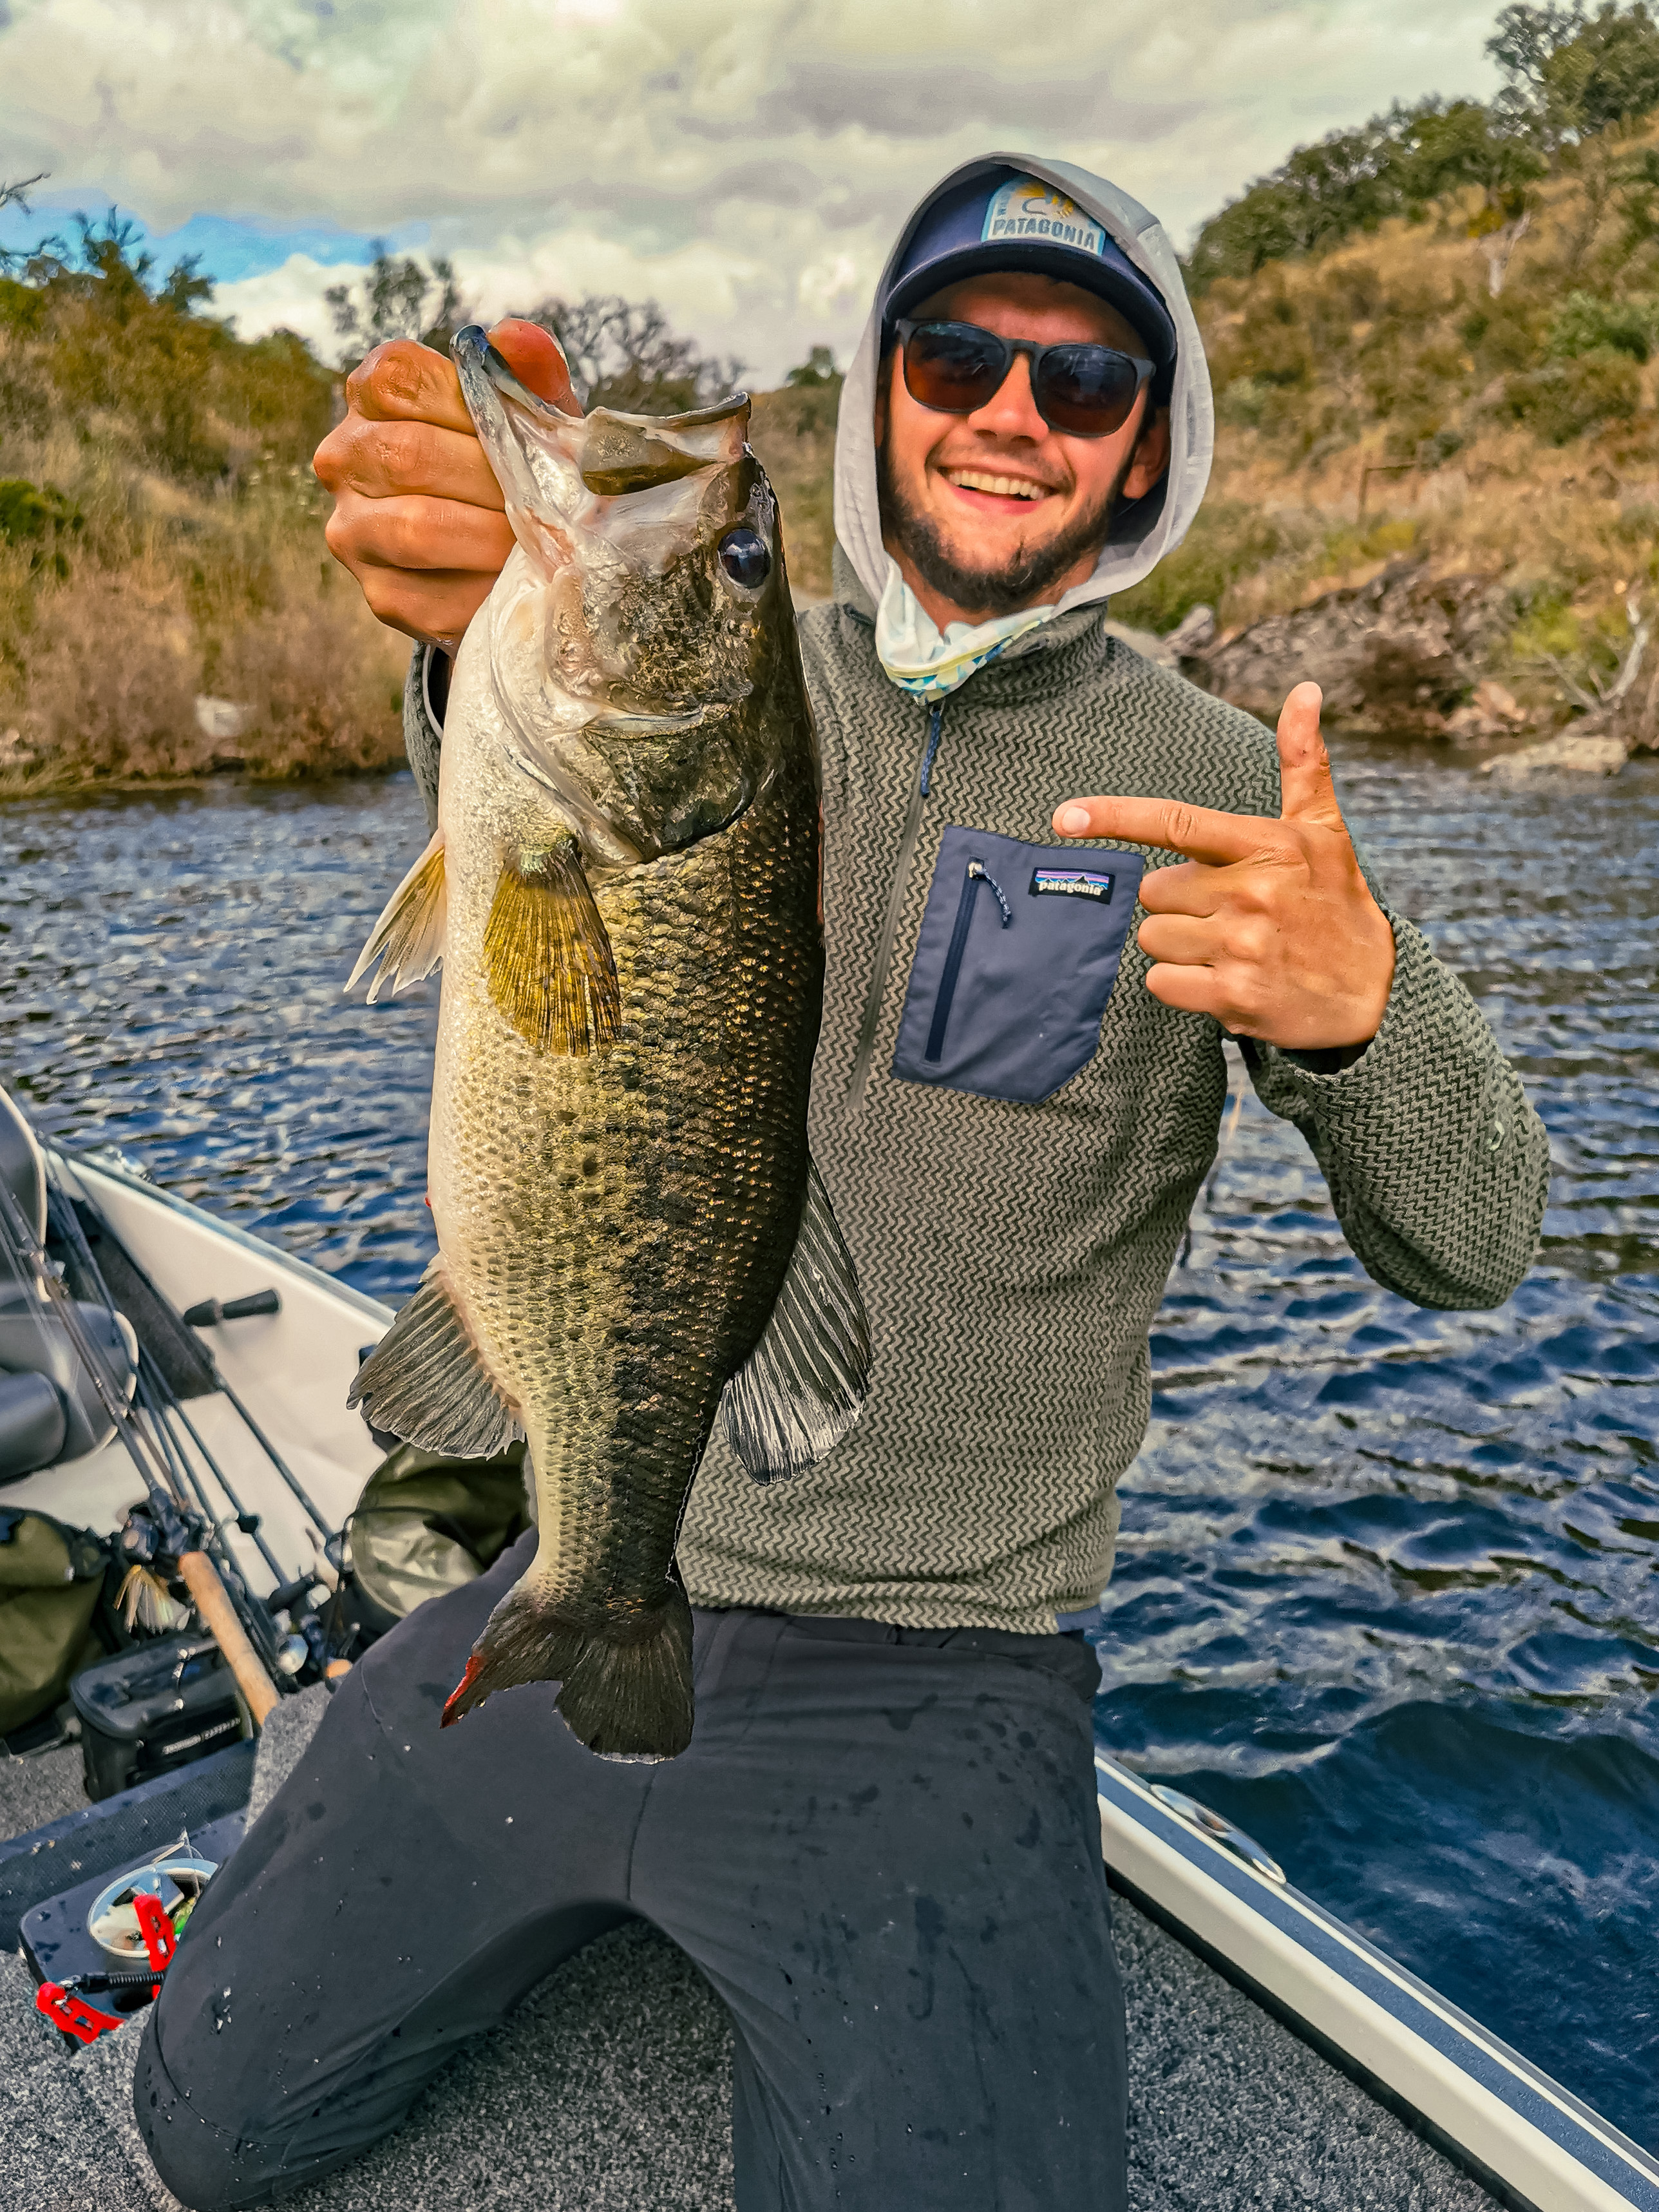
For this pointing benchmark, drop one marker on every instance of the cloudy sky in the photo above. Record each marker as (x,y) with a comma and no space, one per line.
(746,163)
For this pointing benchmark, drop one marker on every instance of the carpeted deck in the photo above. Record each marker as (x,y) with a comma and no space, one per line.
(609,2091)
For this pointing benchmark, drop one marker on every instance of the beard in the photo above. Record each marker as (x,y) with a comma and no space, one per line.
(998,591)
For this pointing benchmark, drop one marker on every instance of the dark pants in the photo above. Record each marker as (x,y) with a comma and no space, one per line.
(882,1848)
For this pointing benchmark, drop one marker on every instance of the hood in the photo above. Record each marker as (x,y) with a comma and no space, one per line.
(1144,531)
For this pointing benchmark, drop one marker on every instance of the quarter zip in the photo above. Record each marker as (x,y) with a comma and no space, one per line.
(860,1079)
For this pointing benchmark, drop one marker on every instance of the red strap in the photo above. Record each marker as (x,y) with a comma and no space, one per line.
(68,2009)
(156,1926)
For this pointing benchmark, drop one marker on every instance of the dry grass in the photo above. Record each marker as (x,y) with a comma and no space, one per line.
(162,542)
(115,666)
(1376,401)
(794,432)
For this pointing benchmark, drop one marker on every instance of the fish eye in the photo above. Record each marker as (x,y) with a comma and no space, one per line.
(744,558)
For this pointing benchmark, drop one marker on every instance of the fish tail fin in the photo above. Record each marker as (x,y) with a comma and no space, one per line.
(625,1685)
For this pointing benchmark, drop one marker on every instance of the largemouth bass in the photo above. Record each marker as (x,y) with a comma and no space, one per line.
(624,891)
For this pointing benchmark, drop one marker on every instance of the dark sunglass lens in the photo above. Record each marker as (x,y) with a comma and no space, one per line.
(1086,389)
(952,367)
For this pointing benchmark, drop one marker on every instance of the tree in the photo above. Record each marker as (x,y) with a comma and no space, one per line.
(818,367)
(1572,75)
(1442,147)
(1351,180)
(624,354)
(396,299)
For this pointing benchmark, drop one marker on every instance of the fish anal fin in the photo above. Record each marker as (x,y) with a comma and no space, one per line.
(547,954)
(804,1383)
(408,940)
(426,1382)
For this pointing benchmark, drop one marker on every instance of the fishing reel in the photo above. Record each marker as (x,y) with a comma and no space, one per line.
(151,1600)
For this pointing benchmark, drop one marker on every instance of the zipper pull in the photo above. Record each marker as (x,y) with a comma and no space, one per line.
(935,718)
(980,874)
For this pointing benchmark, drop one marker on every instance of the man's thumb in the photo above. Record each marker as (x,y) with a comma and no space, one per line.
(537,359)
(1306,792)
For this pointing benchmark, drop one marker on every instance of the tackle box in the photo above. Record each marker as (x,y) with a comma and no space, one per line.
(154,1709)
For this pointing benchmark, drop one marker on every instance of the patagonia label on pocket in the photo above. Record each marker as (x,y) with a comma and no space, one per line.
(1070,883)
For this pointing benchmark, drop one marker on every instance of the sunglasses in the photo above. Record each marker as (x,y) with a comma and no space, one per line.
(1085,391)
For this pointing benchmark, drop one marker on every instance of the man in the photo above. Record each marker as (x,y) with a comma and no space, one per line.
(882,1845)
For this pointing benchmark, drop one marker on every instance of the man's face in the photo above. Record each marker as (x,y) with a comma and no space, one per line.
(994,510)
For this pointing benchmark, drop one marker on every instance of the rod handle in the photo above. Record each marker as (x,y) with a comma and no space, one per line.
(211,1311)
(211,1600)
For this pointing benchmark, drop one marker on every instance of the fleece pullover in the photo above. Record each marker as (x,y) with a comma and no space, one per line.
(1011,1128)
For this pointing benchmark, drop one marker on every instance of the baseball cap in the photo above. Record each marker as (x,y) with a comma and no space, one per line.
(1003,220)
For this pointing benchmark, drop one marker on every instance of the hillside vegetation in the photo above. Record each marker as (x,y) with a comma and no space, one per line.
(1434,340)
(167,606)
(160,540)
(1467,382)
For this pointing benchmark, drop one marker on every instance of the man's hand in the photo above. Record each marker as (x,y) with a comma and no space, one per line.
(1269,926)
(418,516)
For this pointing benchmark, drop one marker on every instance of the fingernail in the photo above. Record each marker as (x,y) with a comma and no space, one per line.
(1072,821)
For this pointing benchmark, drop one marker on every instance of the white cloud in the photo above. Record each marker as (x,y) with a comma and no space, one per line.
(289,298)
(746,165)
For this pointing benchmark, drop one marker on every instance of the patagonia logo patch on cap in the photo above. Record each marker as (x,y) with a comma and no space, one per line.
(1027,207)
(1070,883)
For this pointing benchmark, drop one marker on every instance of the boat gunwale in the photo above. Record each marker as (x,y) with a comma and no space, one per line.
(1594,2143)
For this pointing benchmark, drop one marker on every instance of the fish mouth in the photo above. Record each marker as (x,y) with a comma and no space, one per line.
(612,454)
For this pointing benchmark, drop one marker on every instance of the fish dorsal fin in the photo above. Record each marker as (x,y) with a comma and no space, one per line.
(547,957)
(409,933)
(803,1384)
(426,1382)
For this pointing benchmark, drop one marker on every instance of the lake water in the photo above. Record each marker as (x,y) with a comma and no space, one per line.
(1386,1594)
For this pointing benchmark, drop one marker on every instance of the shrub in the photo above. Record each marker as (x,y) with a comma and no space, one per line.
(1566,398)
(1583,323)
(38,516)
(1229,538)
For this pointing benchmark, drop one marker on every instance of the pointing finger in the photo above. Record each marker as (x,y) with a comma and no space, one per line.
(1306,792)
(1202,832)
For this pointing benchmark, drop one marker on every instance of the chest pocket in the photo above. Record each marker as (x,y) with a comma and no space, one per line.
(1018,951)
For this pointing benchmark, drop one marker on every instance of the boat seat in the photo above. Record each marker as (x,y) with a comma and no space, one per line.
(23,1172)
(49,1408)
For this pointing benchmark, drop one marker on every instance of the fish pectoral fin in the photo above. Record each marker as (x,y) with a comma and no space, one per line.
(547,957)
(409,933)
(426,1382)
(803,1384)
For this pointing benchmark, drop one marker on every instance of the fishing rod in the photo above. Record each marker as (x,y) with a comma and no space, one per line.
(166,1412)
(76,1238)
(160,1400)
(170,1507)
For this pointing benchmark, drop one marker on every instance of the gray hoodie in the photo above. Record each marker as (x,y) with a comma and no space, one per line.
(1012,1128)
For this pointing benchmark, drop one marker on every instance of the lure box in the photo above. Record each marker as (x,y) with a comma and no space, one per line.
(154,1709)
(55,1940)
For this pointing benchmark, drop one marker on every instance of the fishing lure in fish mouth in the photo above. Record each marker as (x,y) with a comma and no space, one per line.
(624,893)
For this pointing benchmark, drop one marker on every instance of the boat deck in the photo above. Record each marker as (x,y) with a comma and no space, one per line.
(610,2089)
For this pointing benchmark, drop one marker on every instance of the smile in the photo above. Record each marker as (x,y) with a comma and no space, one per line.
(999,487)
